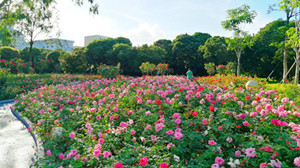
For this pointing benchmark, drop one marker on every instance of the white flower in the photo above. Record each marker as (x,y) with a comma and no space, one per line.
(233,163)
(177,158)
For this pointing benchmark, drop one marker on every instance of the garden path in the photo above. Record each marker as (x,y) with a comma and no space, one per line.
(17,147)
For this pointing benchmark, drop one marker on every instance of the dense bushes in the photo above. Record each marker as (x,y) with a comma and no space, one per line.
(9,53)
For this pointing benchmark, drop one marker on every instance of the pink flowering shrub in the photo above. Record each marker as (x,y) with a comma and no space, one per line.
(162,122)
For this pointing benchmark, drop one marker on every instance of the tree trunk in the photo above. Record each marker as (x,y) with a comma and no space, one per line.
(297,67)
(238,55)
(30,55)
(285,63)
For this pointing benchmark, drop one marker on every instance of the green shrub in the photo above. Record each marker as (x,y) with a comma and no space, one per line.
(221,69)
(147,68)
(9,53)
(230,68)
(210,68)
(108,71)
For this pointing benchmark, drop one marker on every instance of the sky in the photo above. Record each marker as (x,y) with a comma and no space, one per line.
(145,21)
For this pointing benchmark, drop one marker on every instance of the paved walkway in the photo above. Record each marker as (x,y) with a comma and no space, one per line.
(17,147)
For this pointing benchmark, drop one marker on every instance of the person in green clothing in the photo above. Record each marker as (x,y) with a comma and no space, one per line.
(189,74)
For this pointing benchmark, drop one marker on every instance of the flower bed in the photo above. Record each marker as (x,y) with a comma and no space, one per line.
(162,122)
(11,85)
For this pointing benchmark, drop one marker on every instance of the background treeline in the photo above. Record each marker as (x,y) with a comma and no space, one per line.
(185,51)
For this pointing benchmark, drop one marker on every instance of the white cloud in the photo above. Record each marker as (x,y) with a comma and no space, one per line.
(145,33)
(259,22)
(76,22)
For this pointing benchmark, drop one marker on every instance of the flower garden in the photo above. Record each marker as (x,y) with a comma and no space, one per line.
(163,121)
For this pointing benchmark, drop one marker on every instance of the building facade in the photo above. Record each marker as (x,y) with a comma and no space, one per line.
(50,44)
(88,39)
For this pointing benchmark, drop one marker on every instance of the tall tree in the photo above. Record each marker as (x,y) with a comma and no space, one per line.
(37,20)
(215,50)
(285,6)
(294,37)
(236,17)
(185,53)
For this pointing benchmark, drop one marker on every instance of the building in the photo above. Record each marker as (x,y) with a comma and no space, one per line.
(88,39)
(50,44)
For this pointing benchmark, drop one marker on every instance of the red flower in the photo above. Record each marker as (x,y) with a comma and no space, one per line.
(195,113)
(275,122)
(163,165)
(257,99)
(61,106)
(180,90)
(118,165)
(238,126)
(144,161)
(200,88)
(211,108)
(247,97)
(158,102)
(107,131)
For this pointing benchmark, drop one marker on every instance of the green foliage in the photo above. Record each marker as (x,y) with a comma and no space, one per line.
(162,68)
(230,68)
(101,51)
(185,53)
(147,68)
(210,68)
(53,60)
(9,53)
(74,62)
(221,69)
(107,71)
(237,16)
(285,90)
(215,50)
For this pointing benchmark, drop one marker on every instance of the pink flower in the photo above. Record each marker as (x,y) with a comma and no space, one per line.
(269,107)
(176,115)
(159,126)
(219,160)
(72,135)
(49,152)
(220,128)
(106,154)
(215,166)
(170,132)
(263,165)
(212,142)
(97,153)
(101,141)
(153,138)
(132,132)
(123,124)
(250,152)
(297,161)
(77,157)
(42,111)
(61,156)
(204,121)
(148,113)
(178,135)
(178,121)
(148,127)
(144,161)
(285,100)
(118,165)
(275,122)
(98,117)
(245,123)
(258,108)
(237,153)
(163,165)
(170,145)
(229,140)
(276,164)
(253,114)
(29,129)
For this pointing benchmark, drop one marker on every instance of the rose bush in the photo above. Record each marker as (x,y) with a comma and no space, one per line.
(162,122)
